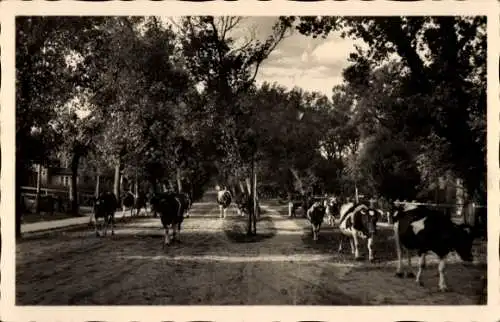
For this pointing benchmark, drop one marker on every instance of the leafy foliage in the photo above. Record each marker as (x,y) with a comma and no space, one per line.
(178,101)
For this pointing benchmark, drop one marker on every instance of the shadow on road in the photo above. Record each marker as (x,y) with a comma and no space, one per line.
(235,229)
(214,263)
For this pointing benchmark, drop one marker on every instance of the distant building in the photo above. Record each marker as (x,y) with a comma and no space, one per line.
(60,178)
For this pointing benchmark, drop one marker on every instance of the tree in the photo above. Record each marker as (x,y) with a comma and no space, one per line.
(443,81)
(43,83)
(77,136)
(226,70)
(387,167)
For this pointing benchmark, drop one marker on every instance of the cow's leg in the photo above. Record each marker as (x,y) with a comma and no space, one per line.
(167,239)
(351,242)
(369,243)
(221,215)
(340,243)
(224,213)
(106,222)
(174,232)
(442,279)
(315,232)
(123,212)
(399,272)
(113,224)
(96,228)
(356,244)
(421,266)
(290,209)
(178,231)
(409,273)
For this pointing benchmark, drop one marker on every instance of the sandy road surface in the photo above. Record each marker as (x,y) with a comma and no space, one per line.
(216,264)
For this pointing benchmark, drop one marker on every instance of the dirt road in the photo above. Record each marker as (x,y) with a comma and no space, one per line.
(216,264)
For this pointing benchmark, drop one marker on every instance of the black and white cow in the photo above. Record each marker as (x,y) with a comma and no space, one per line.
(171,209)
(315,214)
(358,221)
(140,203)
(104,207)
(224,199)
(299,200)
(331,209)
(128,201)
(423,229)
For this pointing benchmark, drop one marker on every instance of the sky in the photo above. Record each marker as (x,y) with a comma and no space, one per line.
(302,61)
(312,64)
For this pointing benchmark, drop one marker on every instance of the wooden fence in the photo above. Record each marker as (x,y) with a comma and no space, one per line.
(60,195)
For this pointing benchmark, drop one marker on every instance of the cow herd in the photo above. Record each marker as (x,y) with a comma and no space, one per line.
(417,229)
(171,206)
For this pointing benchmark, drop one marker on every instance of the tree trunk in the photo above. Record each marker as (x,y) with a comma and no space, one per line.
(248,182)
(242,186)
(252,225)
(250,212)
(299,181)
(255,204)
(233,190)
(116,183)
(97,183)
(356,195)
(136,184)
(73,186)
(254,212)
(38,188)
(179,179)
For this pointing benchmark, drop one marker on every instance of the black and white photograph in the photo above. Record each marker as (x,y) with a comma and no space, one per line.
(250,160)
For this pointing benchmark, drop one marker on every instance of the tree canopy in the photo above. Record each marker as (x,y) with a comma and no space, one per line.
(176,102)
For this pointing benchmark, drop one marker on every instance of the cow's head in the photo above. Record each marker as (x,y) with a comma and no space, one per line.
(396,208)
(463,242)
(371,217)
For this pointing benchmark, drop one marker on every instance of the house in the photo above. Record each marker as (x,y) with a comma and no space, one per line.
(60,178)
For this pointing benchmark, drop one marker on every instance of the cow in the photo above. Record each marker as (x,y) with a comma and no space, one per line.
(295,201)
(224,199)
(331,209)
(104,207)
(128,201)
(140,202)
(358,221)
(420,229)
(315,215)
(171,209)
